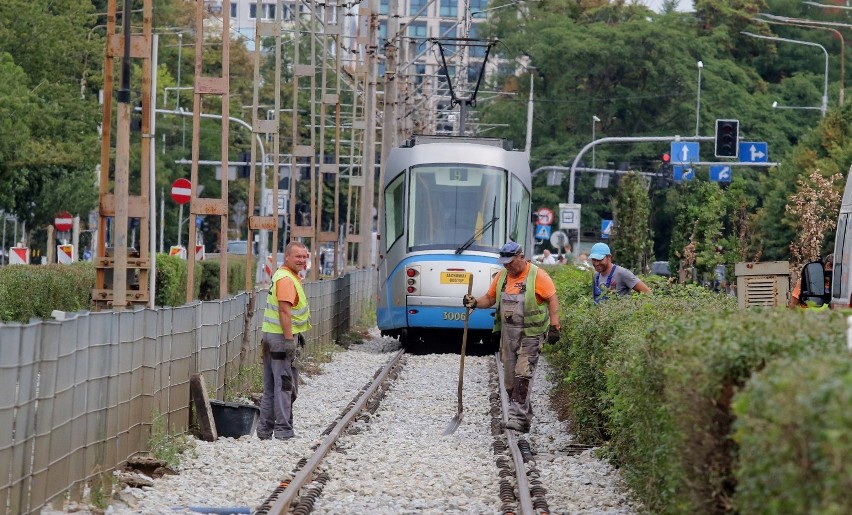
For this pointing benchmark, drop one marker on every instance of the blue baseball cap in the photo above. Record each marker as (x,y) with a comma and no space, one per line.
(599,251)
(508,252)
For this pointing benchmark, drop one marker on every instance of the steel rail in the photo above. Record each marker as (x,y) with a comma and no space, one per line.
(525,504)
(282,504)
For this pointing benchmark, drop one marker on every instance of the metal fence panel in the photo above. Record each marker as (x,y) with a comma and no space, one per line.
(77,397)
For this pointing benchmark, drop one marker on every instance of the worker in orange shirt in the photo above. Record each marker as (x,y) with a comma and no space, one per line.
(527,316)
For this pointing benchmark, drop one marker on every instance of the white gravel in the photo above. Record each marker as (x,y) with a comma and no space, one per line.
(397,463)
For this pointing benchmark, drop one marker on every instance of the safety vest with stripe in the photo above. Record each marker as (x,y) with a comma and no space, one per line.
(536,316)
(300,313)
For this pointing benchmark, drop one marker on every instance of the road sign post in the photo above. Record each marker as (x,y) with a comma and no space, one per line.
(63,221)
(181,191)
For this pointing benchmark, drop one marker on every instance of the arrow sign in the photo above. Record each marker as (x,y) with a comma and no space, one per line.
(683,173)
(181,191)
(720,173)
(684,152)
(754,152)
(63,221)
(606,228)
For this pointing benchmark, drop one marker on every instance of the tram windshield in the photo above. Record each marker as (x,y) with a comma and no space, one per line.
(449,204)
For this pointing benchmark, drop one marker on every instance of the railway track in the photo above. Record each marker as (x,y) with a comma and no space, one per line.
(384,452)
(518,487)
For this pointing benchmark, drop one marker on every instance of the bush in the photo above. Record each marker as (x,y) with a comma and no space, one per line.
(793,431)
(171,281)
(34,291)
(671,392)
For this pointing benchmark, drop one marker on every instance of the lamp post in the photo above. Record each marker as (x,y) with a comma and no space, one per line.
(698,98)
(824,106)
(776,106)
(595,120)
(812,24)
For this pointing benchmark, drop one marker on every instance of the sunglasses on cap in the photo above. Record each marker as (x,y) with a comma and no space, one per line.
(510,254)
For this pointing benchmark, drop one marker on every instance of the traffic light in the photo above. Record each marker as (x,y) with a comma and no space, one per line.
(727,138)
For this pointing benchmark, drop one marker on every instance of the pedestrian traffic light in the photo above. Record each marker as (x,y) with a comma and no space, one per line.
(727,138)
(666,158)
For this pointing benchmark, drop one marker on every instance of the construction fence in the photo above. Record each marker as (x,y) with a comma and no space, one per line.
(78,396)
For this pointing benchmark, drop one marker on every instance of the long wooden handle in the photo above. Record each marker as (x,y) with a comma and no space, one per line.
(464,342)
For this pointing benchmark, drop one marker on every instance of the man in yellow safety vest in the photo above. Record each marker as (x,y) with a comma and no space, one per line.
(285,320)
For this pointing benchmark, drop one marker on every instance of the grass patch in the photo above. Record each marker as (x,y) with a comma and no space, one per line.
(167,446)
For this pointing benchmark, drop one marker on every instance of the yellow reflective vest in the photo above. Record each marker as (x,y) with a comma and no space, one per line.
(300,313)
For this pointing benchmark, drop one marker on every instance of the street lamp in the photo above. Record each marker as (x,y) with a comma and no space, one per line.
(776,106)
(824,106)
(595,120)
(698,98)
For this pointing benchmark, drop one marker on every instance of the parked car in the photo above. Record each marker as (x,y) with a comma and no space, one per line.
(661,268)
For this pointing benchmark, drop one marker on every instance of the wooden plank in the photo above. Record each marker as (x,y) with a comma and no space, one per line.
(201,403)
(208,206)
(137,206)
(140,46)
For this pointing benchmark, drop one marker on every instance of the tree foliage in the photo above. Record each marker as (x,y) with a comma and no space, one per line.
(631,208)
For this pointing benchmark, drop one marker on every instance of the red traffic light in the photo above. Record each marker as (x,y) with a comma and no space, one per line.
(666,158)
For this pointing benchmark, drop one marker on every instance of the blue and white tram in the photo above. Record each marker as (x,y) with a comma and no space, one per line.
(450,203)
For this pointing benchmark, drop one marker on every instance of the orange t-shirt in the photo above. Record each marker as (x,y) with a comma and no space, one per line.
(544,287)
(285,291)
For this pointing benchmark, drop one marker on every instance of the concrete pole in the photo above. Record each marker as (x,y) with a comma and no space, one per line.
(389,117)
(152,177)
(365,253)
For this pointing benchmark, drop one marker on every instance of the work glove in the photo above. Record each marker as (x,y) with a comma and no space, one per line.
(290,345)
(469,301)
(552,335)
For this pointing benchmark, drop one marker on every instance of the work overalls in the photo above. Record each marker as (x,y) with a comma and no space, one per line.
(519,354)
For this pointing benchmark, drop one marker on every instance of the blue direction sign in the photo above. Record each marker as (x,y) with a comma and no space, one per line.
(684,152)
(754,152)
(542,232)
(683,173)
(720,173)
(606,228)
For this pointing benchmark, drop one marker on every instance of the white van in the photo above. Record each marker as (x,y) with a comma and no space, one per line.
(841,281)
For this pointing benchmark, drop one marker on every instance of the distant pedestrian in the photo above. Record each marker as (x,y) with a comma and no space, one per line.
(547,258)
(583,261)
(286,319)
(611,277)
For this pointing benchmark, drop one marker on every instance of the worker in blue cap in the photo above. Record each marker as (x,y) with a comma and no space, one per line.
(527,316)
(611,277)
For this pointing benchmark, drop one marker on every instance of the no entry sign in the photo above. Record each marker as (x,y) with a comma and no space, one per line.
(63,221)
(181,191)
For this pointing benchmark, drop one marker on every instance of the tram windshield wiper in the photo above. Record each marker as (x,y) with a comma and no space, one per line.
(476,235)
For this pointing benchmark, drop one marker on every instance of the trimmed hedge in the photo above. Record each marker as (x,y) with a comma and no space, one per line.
(794,431)
(653,377)
(28,292)
(34,291)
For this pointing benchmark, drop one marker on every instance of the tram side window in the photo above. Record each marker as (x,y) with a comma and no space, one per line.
(394,211)
(519,211)
(842,256)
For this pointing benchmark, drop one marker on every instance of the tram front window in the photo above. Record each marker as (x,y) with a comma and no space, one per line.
(449,204)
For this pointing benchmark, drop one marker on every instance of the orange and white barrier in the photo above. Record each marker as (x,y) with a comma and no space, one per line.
(199,253)
(177,250)
(19,256)
(65,254)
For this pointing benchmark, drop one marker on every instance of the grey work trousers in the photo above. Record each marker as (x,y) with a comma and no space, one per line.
(280,389)
(519,354)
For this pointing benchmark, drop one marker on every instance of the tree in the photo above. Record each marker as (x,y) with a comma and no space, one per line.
(632,238)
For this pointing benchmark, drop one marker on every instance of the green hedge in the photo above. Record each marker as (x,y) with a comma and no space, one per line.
(35,291)
(794,430)
(653,377)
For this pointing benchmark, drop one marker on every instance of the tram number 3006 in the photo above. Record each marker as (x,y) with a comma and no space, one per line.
(454,316)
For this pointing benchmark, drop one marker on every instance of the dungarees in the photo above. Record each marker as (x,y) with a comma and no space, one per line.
(519,354)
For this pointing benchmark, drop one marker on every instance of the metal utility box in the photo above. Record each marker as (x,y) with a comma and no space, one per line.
(763,284)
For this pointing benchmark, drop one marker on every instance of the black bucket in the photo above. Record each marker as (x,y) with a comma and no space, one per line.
(233,419)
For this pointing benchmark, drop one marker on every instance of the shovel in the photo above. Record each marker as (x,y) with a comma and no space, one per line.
(457,419)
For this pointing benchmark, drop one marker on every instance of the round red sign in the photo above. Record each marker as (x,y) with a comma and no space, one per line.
(181,191)
(545,216)
(63,221)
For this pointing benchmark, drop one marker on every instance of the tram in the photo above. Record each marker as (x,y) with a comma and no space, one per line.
(450,203)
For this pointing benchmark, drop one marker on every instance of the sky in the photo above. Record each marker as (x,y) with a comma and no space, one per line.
(685,5)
